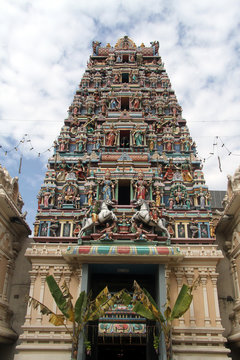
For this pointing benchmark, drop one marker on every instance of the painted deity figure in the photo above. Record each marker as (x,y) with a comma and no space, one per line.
(59,201)
(80,171)
(111,137)
(78,201)
(138,136)
(113,104)
(202,200)
(90,195)
(54,227)
(107,187)
(136,104)
(140,232)
(155,213)
(46,199)
(157,194)
(141,187)
(107,233)
(80,144)
(186,171)
(179,196)
(170,170)
(92,211)
(69,195)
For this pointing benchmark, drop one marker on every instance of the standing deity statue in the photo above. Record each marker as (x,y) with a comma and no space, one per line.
(113,104)
(111,137)
(137,136)
(140,187)
(90,195)
(158,195)
(136,104)
(107,187)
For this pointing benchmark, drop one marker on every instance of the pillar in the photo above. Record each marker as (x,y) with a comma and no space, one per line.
(43,273)
(214,277)
(33,275)
(161,301)
(189,273)
(84,287)
(203,276)
(179,277)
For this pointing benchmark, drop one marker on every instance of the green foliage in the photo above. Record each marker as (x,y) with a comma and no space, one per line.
(182,303)
(145,306)
(85,309)
(63,300)
(80,306)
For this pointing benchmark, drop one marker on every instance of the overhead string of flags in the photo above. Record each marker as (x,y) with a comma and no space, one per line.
(216,146)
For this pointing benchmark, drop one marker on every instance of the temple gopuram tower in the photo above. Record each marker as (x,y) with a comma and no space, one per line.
(124,198)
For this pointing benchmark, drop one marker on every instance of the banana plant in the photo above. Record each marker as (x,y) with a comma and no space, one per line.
(81,313)
(145,306)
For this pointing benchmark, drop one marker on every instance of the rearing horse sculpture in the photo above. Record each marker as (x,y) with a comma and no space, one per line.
(104,216)
(143,215)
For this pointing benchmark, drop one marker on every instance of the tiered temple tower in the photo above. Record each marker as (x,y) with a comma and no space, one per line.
(124,198)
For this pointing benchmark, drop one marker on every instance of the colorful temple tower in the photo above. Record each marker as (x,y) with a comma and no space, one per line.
(124,198)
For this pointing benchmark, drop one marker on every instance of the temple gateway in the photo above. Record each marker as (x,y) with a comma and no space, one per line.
(124,199)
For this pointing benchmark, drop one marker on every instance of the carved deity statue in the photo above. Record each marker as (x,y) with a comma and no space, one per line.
(111,136)
(137,136)
(107,187)
(140,187)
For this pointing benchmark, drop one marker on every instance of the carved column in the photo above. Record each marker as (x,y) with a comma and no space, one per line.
(6,280)
(189,273)
(235,279)
(203,276)
(179,277)
(33,275)
(79,275)
(214,277)
(67,272)
(43,273)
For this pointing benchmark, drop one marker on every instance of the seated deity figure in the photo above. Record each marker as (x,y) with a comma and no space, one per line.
(140,232)
(107,233)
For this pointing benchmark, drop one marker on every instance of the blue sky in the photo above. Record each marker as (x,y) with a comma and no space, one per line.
(44,48)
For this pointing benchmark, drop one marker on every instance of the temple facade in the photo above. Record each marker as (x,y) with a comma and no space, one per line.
(14,280)
(124,198)
(228,237)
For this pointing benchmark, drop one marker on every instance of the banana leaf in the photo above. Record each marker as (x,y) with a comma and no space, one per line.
(56,320)
(80,306)
(102,297)
(182,303)
(144,311)
(126,298)
(65,306)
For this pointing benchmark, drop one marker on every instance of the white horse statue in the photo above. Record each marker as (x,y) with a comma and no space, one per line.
(143,215)
(104,216)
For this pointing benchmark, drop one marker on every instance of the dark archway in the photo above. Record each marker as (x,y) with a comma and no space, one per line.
(124,192)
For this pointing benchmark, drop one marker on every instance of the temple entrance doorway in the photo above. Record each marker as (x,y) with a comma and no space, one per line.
(123,352)
(124,192)
(121,334)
